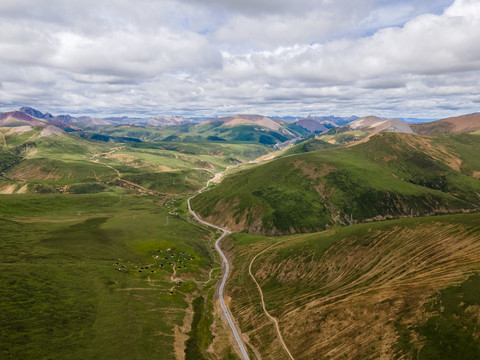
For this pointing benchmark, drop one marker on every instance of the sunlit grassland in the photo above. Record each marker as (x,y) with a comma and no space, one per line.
(62,295)
(50,163)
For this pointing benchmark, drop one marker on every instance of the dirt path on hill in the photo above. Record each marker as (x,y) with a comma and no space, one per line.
(174,277)
(273,319)
(107,153)
(209,277)
(130,184)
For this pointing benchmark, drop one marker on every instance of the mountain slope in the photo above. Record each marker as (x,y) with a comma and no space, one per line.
(47,159)
(308,146)
(460,124)
(35,113)
(391,175)
(364,127)
(330,121)
(253,120)
(251,128)
(33,117)
(19,118)
(401,289)
(167,121)
(311,125)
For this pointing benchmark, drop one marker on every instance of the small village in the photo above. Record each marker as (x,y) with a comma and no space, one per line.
(165,259)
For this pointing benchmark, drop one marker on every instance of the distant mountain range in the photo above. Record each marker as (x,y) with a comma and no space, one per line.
(330,121)
(241,127)
(362,128)
(19,118)
(123,120)
(311,125)
(309,122)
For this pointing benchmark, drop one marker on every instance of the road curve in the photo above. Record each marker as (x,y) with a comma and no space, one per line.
(225,232)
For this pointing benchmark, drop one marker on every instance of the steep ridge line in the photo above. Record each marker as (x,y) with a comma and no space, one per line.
(225,232)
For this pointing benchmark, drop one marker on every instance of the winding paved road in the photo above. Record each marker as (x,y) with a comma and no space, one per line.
(225,232)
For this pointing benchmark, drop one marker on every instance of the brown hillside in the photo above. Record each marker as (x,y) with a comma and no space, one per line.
(459,124)
(258,120)
(19,118)
(362,296)
(374,125)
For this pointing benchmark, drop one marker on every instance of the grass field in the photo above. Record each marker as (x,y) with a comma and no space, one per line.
(72,283)
(396,289)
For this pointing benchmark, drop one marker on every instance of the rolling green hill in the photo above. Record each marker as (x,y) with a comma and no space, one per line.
(241,128)
(391,175)
(308,146)
(31,162)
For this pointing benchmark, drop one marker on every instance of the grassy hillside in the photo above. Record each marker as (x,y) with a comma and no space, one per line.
(50,163)
(308,146)
(405,288)
(391,175)
(211,131)
(69,164)
(74,281)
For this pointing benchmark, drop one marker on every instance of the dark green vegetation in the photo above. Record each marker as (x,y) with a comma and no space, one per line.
(452,330)
(8,159)
(200,334)
(406,288)
(74,281)
(211,131)
(391,175)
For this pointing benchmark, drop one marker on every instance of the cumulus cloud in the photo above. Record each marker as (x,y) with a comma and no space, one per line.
(428,45)
(396,58)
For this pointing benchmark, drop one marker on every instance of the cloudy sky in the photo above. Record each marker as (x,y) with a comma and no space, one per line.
(402,58)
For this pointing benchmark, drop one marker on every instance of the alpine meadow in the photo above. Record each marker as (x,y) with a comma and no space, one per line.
(232,179)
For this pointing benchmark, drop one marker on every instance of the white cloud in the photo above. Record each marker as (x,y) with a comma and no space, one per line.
(242,56)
